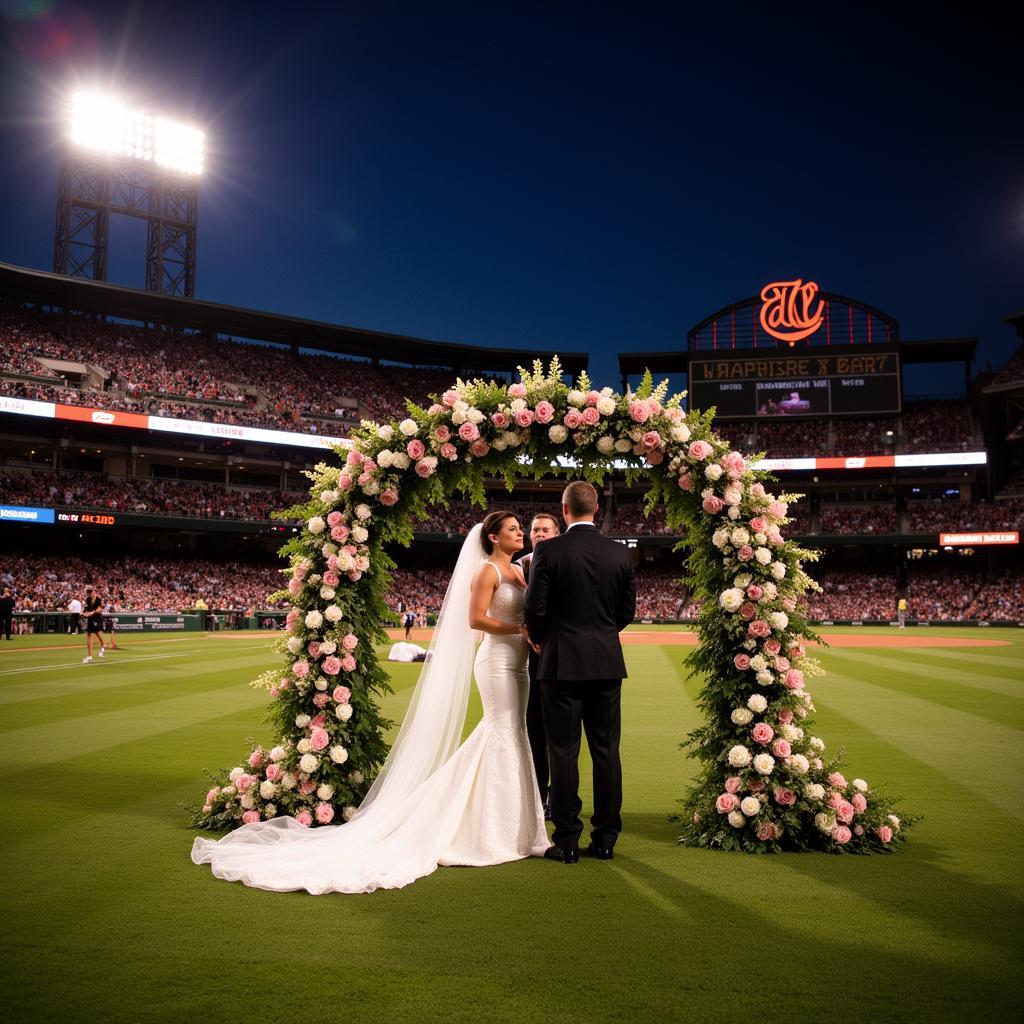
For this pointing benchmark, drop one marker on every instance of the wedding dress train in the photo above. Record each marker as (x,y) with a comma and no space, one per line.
(479,807)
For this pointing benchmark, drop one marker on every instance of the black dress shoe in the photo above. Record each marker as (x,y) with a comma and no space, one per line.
(565,856)
(600,852)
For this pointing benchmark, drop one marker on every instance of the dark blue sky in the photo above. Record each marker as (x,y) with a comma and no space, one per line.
(542,176)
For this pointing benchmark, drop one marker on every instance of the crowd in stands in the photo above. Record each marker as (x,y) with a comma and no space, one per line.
(853,594)
(1012,372)
(999,599)
(942,514)
(858,519)
(942,593)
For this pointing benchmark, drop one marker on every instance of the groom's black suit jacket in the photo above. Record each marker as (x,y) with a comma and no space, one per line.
(582,593)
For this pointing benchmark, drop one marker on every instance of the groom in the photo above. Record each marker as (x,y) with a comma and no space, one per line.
(581,594)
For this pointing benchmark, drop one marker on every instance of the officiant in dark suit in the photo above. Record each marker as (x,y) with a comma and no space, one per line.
(581,594)
(542,527)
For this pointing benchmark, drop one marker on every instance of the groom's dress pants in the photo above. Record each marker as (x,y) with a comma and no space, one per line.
(595,706)
(536,732)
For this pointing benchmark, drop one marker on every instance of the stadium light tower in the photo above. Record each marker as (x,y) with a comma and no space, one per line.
(132,162)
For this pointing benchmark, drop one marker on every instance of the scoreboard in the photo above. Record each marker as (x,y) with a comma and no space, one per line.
(779,385)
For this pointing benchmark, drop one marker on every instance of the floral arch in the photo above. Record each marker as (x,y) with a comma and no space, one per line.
(764,782)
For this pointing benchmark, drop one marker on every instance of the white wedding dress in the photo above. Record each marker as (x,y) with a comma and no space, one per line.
(475,807)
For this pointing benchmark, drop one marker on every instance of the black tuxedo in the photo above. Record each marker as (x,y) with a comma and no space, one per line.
(581,594)
(535,730)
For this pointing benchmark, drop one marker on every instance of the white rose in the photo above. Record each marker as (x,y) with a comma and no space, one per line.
(778,570)
(316,525)
(512,438)
(733,512)
(328,646)
(385,433)
(757,703)
(740,536)
(762,555)
(743,580)
(270,811)
(301,721)
(459,416)
(228,791)
(680,432)
(623,445)
(475,416)
(327,593)
(758,663)
(606,444)
(749,645)
(517,405)
(294,645)
(303,746)
(321,683)
(309,763)
(895,822)
(736,819)
(329,549)
(764,678)
(408,427)
(739,757)
(371,488)
(359,534)
(385,458)
(247,801)
(760,538)
(288,780)
(750,806)
(324,791)
(461,405)
(812,791)
(344,712)
(713,472)
(771,591)
(362,563)
(363,512)
(333,614)
(720,538)
(499,444)
(860,785)
(357,778)
(790,732)
(314,620)
(741,716)
(778,620)
(731,599)
(401,461)
(576,398)
(605,405)
(268,790)
(235,774)
(346,562)
(276,753)
(349,813)
(825,822)
(328,497)
(798,763)
(339,755)
(763,764)
(558,433)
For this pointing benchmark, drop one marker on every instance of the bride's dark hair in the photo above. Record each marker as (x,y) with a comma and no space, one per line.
(492,524)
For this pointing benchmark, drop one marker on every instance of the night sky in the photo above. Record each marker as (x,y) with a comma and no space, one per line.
(550,177)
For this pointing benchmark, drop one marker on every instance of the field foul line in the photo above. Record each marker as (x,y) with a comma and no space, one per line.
(72,664)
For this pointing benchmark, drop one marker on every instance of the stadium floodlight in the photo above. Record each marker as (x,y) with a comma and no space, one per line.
(102,123)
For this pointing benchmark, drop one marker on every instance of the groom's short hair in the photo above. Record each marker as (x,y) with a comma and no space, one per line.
(580,498)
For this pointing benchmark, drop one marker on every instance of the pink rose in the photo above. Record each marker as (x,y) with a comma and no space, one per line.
(318,738)
(425,467)
(313,648)
(341,694)
(304,818)
(639,412)
(350,641)
(517,390)
(742,662)
(388,496)
(295,587)
(256,759)
(275,692)
(449,452)
(331,578)
(652,439)
(785,716)
(593,397)
(774,535)
(441,432)
(784,797)
(244,782)
(250,817)
(789,604)
(781,664)
(450,397)
(796,649)
(860,804)
(292,617)
(345,482)
(364,479)
(781,748)
(545,412)
(712,505)
(590,416)
(306,787)
(479,448)
(733,784)
(762,733)
(686,483)
(777,509)
(435,410)
(759,524)
(745,553)
(766,831)
(759,629)
(300,669)
(772,647)
(838,780)
(726,802)
(757,490)
(734,464)
(524,418)
(331,665)
(274,772)
(700,450)
(756,785)
(212,795)
(348,663)
(754,592)
(655,457)
(841,834)
(500,419)
(468,431)
(324,813)
(845,812)
(318,722)
(339,533)
(795,679)
(354,457)
(884,833)
(747,610)
(334,518)
(572,419)
(416,448)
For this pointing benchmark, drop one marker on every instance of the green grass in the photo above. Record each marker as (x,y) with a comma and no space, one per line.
(106,919)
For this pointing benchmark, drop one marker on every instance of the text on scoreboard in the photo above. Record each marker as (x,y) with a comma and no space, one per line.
(781,385)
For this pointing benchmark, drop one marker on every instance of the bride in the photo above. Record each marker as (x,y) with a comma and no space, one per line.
(434,802)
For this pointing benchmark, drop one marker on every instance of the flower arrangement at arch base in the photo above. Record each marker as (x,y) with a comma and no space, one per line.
(764,782)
